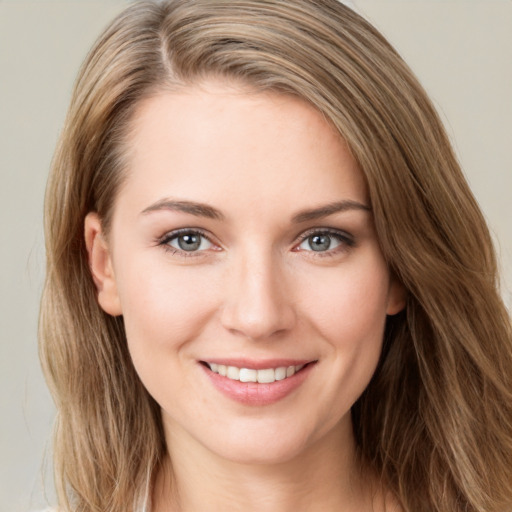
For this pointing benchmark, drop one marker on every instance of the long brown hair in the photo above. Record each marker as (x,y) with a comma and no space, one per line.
(436,420)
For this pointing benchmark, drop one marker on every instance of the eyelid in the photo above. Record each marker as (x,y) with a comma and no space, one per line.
(164,240)
(326,231)
(345,238)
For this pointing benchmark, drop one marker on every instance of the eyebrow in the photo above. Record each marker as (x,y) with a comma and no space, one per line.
(190,207)
(204,210)
(328,209)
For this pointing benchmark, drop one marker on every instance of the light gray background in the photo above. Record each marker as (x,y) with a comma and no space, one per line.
(460,49)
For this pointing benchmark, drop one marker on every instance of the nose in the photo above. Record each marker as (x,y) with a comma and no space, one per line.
(257,304)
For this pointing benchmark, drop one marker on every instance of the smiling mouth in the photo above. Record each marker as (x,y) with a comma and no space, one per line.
(261,376)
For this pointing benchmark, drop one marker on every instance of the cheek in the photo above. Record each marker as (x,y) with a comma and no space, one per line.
(350,318)
(164,305)
(165,308)
(349,307)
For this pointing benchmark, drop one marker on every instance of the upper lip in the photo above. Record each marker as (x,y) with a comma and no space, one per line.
(258,364)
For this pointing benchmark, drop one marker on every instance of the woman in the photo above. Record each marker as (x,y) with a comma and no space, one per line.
(269,286)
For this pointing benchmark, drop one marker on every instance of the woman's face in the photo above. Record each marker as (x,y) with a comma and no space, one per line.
(242,243)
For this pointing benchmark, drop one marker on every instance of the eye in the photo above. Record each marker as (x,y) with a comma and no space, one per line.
(187,241)
(319,243)
(325,241)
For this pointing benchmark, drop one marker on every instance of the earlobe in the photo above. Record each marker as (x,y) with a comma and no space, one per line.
(100,265)
(397,297)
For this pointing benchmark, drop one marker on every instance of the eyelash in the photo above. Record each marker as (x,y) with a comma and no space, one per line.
(345,239)
(168,237)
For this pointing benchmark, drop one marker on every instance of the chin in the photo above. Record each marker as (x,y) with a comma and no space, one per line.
(267,443)
(262,453)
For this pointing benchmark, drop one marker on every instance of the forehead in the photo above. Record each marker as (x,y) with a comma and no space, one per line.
(211,139)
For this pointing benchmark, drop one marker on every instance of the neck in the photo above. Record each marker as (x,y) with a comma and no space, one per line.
(327,476)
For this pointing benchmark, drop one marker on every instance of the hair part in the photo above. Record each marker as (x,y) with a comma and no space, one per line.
(436,420)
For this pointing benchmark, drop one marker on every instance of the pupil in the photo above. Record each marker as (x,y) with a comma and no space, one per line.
(189,242)
(320,242)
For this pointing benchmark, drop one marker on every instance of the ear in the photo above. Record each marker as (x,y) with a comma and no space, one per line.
(397,297)
(100,264)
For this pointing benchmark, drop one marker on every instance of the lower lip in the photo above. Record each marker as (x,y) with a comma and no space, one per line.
(254,393)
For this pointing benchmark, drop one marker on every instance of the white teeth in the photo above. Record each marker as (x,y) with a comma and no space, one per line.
(264,376)
(280,373)
(233,373)
(247,375)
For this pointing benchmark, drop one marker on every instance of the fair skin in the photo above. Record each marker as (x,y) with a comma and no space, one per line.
(276,264)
